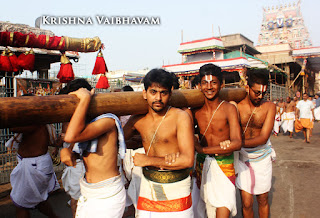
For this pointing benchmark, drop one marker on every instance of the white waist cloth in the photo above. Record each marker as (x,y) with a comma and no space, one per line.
(216,188)
(288,121)
(197,202)
(133,174)
(103,199)
(254,169)
(163,192)
(71,177)
(32,180)
(277,123)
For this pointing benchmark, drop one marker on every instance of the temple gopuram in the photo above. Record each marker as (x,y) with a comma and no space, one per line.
(284,24)
(284,41)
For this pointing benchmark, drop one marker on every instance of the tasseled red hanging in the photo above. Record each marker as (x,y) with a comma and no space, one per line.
(26,60)
(103,82)
(14,62)
(5,65)
(66,72)
(100,65)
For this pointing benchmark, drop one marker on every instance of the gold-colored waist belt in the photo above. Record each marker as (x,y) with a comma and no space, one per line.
(165,176)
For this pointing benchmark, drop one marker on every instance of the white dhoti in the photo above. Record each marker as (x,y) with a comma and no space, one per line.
(197,202)
(216,188)
(199,207)
(317,113)
(32,180)
(103,199)
(277,123)
(71,178)
(282,115)
(288,121)
(255,169)
(165,199)
(133,174)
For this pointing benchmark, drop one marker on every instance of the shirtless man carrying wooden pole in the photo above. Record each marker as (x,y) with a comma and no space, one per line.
(219,136)
(33,178)
(102,191)
(166,133)
(255,159)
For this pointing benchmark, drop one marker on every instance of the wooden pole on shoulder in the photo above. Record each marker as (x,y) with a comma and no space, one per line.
(31,110)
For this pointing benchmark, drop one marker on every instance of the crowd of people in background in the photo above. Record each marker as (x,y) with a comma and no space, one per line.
(294,115)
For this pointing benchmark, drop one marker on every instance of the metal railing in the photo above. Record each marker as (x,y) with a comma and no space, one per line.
(277,91)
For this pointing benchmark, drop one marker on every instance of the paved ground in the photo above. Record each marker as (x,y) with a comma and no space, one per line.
(295,191)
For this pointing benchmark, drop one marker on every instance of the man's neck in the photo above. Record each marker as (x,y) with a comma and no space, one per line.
(248,101)
(213,103)
(158,114)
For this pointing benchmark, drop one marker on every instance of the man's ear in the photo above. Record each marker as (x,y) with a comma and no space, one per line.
(144,94)
(247,88)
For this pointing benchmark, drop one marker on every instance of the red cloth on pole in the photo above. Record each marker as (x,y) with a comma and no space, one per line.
(103,82)
(66,72)
(26,60)
(5,64)
(100,66)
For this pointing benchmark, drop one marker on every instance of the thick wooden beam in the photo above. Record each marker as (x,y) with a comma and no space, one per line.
(30,110)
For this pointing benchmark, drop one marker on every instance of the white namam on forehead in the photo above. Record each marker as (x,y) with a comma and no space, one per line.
(262,88)
(208,78)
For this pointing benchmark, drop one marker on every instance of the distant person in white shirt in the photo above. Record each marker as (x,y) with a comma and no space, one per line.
(304,117)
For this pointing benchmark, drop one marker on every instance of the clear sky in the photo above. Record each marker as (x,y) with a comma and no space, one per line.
(134,47)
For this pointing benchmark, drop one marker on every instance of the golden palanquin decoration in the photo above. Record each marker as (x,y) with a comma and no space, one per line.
(61,43)
(82,44)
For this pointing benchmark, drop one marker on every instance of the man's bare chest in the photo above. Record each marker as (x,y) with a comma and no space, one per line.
(214,123)
(281,105)
(157,132)
(290,107)
(252,119)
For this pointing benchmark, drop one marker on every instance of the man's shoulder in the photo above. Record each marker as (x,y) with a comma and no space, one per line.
(179,111)
(243,103)
(300,102)
(228,107)
(231,104)
(268,104)
(106,118)
(137,117)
